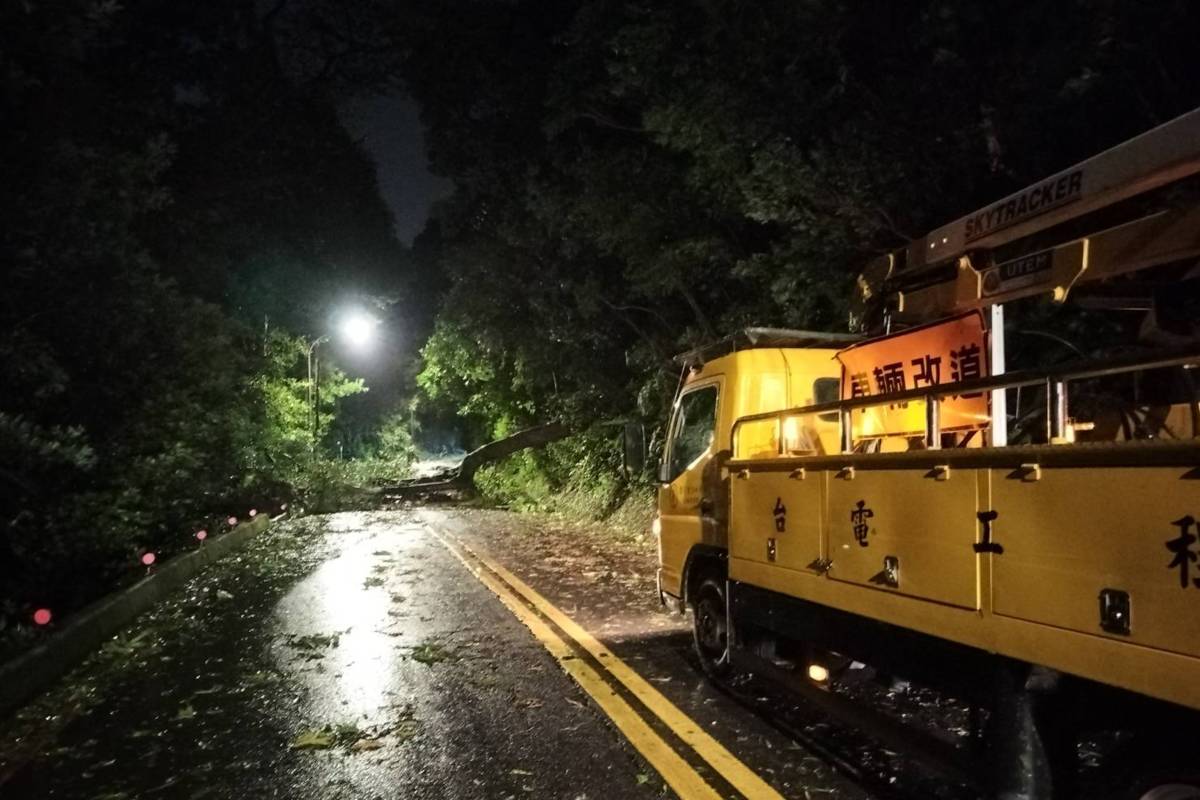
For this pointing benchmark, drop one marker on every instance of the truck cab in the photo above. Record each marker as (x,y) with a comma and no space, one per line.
(755,371)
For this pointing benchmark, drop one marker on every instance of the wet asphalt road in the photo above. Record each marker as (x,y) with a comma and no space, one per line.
(353,656)
(608,587)
(439,691)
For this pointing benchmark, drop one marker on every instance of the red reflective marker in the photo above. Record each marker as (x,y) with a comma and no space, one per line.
(232,521)
(253,513)
(148,558)
(202,535)
(42,616)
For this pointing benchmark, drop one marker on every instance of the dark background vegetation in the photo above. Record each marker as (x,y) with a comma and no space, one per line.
(183,209)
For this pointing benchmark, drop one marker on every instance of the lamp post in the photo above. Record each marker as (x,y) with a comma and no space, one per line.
(314,390)
(358,329)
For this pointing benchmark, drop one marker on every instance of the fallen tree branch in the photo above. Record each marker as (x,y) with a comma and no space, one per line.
(463,477)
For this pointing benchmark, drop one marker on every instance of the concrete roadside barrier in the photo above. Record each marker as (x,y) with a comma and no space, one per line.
(37,669)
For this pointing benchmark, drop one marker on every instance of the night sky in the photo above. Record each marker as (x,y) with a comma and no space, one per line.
(390,129)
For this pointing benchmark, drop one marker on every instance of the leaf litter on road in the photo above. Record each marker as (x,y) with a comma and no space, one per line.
(353,739)
(313,740)
(312,646)
(125,645)
(430,653)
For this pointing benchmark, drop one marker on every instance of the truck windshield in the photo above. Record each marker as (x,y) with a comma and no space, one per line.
(694,426)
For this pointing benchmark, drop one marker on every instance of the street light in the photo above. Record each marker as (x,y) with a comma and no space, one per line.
(357,328)
(314,393)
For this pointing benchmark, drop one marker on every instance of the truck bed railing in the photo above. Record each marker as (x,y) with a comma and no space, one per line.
(1056,381)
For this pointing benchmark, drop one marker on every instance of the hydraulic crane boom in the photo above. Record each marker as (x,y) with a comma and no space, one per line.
(1134,206)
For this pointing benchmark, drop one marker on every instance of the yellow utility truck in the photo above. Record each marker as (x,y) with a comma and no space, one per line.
(1027,538)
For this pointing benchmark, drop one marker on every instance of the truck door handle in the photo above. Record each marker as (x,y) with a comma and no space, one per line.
(706,505)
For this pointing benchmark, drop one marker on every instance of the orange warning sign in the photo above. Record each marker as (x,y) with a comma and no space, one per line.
(944,352)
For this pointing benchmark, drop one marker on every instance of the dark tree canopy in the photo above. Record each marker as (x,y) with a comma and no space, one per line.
(633,177)
(172,183)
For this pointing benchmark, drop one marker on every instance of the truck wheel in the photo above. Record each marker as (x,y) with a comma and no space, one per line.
(710,629)
(1182,786)
(1156,767)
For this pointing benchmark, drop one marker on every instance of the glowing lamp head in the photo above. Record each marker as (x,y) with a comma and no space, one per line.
(817,673)
(148,558)
(253,513)
(42,616)
(202,535)
(283,506)
(358,328)
(232,521)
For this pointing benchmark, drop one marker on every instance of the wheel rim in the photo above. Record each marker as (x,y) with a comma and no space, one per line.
(1172,791)
(710,628)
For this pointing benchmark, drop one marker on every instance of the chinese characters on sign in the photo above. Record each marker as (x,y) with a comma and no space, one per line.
(965,365)
(928,371)
(947,352)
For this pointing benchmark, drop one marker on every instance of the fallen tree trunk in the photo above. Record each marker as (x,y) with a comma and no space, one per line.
(538,436)
(462,477)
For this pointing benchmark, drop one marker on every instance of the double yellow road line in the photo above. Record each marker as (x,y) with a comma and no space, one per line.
(537,614)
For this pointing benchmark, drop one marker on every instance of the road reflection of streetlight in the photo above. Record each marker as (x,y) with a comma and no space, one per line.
(366,656)
(350,674)
(358,329)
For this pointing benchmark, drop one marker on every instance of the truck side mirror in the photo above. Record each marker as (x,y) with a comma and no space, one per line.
(633,449)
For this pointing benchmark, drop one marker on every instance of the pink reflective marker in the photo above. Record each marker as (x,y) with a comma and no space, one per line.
(253,513)
(148,558)
(202,535)
(42,616)
(232,521)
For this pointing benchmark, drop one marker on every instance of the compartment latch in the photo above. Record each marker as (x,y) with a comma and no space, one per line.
(1115,611)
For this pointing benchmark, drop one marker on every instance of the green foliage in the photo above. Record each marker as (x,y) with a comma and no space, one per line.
(579,475)
(395,439)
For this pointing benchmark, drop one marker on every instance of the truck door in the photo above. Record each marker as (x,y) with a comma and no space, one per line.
(688,496)
(907,530)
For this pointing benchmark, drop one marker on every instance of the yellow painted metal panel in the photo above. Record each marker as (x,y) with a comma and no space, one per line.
(779,506)
(1076,531)
(924,522)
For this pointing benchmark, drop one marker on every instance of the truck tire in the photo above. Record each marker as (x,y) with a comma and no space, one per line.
(710,631)
(1181,785)
(1158,764)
